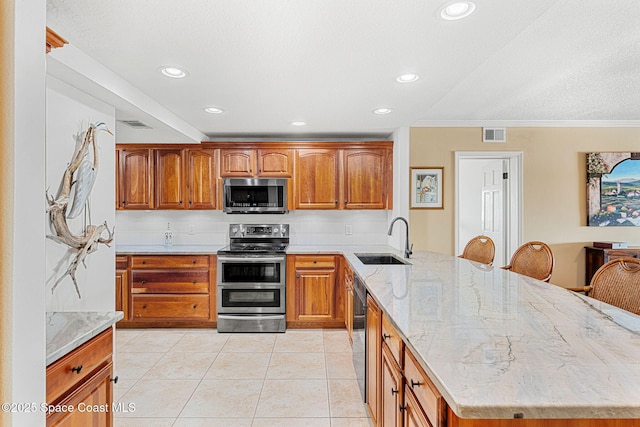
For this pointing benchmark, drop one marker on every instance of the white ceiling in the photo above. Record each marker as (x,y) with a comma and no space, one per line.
(331,62)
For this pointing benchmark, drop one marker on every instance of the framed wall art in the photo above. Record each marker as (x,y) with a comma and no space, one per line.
(613,189)
(427,187)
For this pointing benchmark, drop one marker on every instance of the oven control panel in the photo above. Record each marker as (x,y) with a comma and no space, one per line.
(265,231)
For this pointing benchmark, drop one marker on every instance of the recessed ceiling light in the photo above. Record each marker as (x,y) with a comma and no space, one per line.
(214,110)
(407,78)
(173,72)
(298,124)
(457,10)
(381,111)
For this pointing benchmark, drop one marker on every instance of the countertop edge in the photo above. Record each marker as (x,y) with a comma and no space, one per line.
(67,331)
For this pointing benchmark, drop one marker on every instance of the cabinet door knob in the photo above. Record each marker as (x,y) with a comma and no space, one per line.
(394,391)
(415,384)
(144,305)
(143,281)
(386,336)
(195,305)
(402,408)
(193,282)
(77,369)
(193,262)
(144,262)
(114,380)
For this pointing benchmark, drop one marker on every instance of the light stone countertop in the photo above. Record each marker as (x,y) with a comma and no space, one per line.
(168,250)
(67,331)
(496,343)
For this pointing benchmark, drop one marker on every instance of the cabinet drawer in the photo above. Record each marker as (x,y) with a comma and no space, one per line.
(170,261)
(426,393)
(122,261)
(315,261)
(191,281)
(393,340)
(170,307)
(86,359)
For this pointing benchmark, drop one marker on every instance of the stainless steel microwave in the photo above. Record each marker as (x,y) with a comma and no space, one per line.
(254,195)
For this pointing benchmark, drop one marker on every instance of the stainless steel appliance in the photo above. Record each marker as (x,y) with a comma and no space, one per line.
(251,275)
(359,332)
(254,195)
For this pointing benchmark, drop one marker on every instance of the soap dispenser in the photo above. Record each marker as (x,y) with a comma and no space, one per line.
(168,236)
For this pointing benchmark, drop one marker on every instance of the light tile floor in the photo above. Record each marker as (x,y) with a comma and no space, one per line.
(199,377)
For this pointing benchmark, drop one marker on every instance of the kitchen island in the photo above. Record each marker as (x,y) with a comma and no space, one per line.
(499,345)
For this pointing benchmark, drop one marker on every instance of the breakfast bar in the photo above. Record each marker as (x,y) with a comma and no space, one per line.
(498,345)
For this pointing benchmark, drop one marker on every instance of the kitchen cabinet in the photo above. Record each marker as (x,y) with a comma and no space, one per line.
(317,179)
(82,378)
(358,178)
(597,257)
(347,281)
(392,393)
(373,360)
(166,178)
(170,290)
(313,296)
(135,178)
(122,282)
(262,162)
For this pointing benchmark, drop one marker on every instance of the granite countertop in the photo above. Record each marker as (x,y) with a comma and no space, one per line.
(67,331)
(496,343)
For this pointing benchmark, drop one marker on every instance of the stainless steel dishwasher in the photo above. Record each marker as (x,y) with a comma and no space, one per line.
(359,332)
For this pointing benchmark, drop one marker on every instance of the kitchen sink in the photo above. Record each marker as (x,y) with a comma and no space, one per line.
(381,259)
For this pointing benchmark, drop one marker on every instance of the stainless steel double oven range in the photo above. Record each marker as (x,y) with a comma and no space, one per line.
(251,278)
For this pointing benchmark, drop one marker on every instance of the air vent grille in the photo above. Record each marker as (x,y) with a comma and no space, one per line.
(494,135)
(137,124)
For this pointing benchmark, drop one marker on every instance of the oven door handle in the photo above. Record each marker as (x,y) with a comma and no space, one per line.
(248,259)
(261,316)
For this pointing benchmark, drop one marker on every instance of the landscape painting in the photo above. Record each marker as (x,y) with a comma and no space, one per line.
(613,189)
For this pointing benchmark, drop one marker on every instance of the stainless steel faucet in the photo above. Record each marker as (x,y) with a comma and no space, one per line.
(407,248)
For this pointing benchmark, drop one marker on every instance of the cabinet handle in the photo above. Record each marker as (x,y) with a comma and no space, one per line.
(415,384)
(193,282)
(315,261)
(394,391)
(144,262)
(402,408)
(386,336)
(114,380)
(336,202)
(77,369)
(193,262)
(190,202)
(195,305)
(143,281)
(144,305)
(180,202)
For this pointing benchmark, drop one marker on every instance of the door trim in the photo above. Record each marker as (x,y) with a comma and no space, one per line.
(514,191)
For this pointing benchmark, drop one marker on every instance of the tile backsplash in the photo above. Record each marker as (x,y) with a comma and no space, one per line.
(211,227)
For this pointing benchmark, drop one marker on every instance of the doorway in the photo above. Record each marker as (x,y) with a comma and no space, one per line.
(488,200)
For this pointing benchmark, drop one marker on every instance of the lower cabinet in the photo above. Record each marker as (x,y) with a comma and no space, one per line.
(313,296)
(168,290)
(79,385)
(373,357)
(347,282)
(401,394)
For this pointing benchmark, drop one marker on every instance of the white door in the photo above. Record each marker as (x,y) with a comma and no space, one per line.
(488,200)
(493,206)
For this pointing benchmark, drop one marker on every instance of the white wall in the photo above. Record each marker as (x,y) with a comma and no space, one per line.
(69,112)
(211,227)
(27,288)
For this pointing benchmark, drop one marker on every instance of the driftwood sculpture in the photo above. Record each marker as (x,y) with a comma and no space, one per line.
(79,177)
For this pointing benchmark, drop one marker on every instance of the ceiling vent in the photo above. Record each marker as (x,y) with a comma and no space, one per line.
(136,124)
(494,135)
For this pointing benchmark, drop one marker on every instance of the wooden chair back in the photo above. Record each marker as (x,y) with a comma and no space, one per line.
(480,249)
(618,283)
(533,259)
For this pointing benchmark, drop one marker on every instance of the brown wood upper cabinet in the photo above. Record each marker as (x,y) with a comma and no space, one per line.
(135,178)
(353,178)
(166,178)
(276,162)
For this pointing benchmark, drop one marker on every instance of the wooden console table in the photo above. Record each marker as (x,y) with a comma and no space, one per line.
(596,257)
